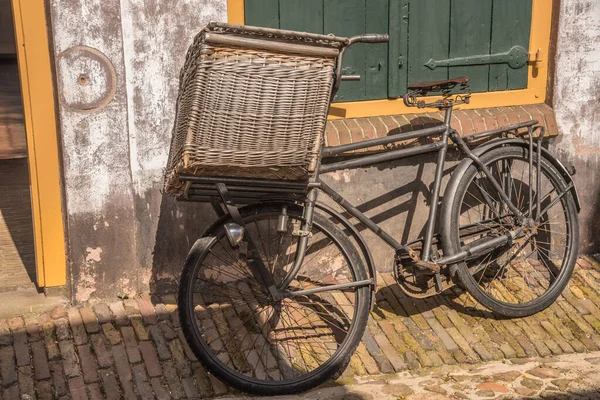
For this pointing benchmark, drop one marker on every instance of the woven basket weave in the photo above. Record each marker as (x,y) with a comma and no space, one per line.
(252,103)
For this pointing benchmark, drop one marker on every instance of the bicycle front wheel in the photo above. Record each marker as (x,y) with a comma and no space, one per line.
(523,277)
(267,347)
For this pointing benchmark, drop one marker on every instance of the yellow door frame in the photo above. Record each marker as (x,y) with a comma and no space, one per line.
(35,71)
(535,92)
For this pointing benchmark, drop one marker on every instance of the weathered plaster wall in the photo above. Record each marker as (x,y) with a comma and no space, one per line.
(117,64)
(577,106)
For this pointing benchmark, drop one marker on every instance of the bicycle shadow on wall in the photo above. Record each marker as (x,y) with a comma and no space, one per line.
(407,176)
(416,188)
(511,279)
(402,211)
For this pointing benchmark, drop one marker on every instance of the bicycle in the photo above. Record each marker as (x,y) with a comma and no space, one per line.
(274,298)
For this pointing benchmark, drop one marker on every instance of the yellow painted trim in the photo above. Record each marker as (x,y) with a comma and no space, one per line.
(42,143)
(235,11)
(371,108)
(534,93)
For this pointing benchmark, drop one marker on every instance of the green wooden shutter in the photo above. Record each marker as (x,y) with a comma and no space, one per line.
(511,24)
(457,29)
(421,32)
(344,18)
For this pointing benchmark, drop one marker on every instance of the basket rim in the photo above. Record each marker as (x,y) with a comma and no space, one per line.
(331,40)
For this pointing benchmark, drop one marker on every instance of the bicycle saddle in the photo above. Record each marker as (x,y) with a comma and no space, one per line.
(438,86)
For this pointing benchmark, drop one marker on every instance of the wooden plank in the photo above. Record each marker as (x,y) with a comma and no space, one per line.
(7,29)
(470,28)
(511,24)
(301,15)
(376,71)
(347,18)
(262,13)
(428,30)
(12,125)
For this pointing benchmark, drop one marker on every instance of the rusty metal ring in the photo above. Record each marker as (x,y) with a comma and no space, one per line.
(83,79)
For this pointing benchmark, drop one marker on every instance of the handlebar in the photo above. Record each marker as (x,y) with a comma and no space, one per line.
(369,38)
(366,38)
(351,77)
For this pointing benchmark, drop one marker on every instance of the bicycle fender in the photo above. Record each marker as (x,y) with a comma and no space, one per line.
(337,216)
(362,244)
(460,170)
(199,248)
(546,154)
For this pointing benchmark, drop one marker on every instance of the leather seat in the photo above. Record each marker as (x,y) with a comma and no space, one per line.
(437,86)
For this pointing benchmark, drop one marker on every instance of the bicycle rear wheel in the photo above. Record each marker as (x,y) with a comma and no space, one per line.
(527,275)
(267,347)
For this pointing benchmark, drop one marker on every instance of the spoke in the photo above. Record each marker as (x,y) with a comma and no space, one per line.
(223,285)
(247,319)
(485,268)
(287,344)
(222,271)
(314,255)
(235,263)
(235,266)
(314,354)
(488,198)
(324,315)
(234,260)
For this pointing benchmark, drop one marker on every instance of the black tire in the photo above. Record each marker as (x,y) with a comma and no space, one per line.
(554,242)
(251,382)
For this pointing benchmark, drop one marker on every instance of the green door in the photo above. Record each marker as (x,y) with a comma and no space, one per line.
(486,40)
(441,32)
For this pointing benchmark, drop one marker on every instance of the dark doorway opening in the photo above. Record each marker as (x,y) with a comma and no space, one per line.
(17,249)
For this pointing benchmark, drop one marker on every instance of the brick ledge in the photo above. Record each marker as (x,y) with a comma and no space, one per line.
(466,122)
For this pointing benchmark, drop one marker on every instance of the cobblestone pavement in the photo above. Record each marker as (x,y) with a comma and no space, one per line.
(568,376)
(135,349)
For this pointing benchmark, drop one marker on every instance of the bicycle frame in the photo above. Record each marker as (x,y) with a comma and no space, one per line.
(443,132)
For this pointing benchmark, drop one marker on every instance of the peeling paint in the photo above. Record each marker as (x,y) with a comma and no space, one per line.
(118,61)
(577,83)
(93,254)
(343,175)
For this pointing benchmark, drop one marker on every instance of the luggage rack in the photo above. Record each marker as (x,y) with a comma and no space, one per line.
(241,190)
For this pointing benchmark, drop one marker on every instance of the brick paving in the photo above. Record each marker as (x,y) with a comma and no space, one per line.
(135,349)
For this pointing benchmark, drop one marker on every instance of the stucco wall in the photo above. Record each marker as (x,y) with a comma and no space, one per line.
(117,63)
(577,106)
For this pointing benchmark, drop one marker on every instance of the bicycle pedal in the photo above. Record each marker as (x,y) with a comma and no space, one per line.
(427,266)
(409,257)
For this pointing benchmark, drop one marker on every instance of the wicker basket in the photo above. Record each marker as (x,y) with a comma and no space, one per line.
(252,103)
